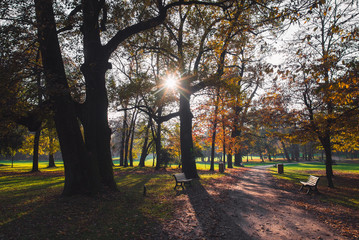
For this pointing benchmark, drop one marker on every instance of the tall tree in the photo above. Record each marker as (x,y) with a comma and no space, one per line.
(323,52)
(90,160)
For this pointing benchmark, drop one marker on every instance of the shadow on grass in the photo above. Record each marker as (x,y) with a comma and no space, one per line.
(124,214)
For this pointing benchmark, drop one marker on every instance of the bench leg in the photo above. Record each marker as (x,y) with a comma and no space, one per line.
(301,187)
(179,185)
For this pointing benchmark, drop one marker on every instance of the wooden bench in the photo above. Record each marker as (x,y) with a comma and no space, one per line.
(311,184)
(181,179)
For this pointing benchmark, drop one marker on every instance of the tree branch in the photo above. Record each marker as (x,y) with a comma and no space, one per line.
(70,19)
(125,33)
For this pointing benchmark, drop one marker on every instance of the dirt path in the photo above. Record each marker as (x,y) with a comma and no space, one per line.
(247,205)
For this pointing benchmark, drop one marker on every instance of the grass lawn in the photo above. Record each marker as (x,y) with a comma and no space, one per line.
(346,181)
(32,206)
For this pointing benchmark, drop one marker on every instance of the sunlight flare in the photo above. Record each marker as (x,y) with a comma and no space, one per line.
(171,82)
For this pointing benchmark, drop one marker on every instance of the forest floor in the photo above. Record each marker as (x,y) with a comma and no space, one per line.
(251,204)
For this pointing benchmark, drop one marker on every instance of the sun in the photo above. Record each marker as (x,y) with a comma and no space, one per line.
(171,82)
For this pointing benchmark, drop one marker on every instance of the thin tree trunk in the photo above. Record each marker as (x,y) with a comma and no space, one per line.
(35,156)
(132,134)
(214,130)
(261,156)
(158,146)
(51,161)
(224,143)
(123,138)
(125,164)
(153,159)
(144,151)
(229,160)
(285,151)
(51,154)
(269,157)
(328,159)
(213,145)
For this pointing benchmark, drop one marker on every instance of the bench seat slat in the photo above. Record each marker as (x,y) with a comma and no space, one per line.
(312,182)
(181,179)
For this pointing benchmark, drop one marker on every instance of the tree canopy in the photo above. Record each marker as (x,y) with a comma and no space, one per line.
(83,62)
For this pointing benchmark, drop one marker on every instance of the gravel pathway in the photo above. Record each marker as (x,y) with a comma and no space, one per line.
(248,207)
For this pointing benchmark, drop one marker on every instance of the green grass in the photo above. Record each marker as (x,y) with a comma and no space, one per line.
(31,204)
(346,178)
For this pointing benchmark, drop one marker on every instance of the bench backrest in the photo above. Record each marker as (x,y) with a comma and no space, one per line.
(313,180)
(180,176)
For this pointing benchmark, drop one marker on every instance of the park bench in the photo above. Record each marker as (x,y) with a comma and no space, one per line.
(311,184)
(181,179)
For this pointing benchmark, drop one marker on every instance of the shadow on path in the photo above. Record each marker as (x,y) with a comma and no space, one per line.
(214,222)
(243,205)
(265,212)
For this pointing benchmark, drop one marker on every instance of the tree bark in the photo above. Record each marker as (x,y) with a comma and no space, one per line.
(261,156)
(132,135)
(224,143)
(286,154)
(229,161)
(51,161)
(214,131)
(35,156)
(328,159)
(144,151)
(238,158)
(187,156)
(158,140)
(123,138)
(51,154)
(81,174)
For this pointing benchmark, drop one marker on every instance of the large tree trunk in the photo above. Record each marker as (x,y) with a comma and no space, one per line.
(238,158)
(81,171)
(95,120)
(96,129)
(187,156)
